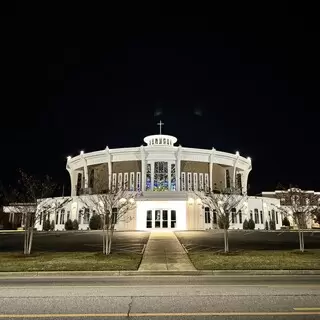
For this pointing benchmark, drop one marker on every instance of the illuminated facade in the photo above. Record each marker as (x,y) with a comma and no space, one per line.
(165,175)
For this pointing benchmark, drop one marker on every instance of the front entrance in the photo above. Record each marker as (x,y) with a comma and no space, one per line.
(161,219)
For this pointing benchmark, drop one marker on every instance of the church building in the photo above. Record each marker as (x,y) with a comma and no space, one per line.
(166,177)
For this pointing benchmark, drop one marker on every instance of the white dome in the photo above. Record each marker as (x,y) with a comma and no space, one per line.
(160,140)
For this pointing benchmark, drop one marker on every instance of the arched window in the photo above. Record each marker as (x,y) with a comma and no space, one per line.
(207,218)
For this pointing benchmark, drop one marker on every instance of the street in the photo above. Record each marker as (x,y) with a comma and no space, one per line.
(161,297)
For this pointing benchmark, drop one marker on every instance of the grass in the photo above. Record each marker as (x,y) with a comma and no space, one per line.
(256,260)
(69,261)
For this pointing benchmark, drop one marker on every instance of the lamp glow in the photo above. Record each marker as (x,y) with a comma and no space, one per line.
(81,152)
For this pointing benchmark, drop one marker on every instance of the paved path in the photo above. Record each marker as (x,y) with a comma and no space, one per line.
(165,253)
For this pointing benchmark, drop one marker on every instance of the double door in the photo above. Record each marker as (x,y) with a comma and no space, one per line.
(161,219)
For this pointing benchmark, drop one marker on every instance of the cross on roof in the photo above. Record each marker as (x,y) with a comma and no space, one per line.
(160,124)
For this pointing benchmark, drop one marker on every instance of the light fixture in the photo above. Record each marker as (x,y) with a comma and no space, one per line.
(68,158)
(237,153)
(249,158)
(81,152)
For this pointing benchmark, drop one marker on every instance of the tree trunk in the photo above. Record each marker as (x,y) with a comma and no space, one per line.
(226,241)
(302,241)
(108,242)
(104,240)
(25,241)
(30,240)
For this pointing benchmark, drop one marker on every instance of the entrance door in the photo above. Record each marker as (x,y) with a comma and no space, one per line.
(159,219)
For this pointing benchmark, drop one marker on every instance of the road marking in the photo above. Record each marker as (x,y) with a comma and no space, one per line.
(167,285)
(307,309)
(182,314)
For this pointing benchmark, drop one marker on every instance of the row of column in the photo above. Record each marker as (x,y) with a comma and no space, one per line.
(73,174)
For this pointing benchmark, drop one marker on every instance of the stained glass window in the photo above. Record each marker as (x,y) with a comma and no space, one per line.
(173,177)
(148,180)
(160,177)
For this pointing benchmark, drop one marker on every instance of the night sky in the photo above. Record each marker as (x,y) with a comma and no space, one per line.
(82,85)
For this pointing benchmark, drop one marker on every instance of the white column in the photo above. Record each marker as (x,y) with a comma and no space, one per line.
(210,168)
(108,156)
(143,169)
(235,170)
(178,169)
(85,171)
(73,182)
(245,181)
(169,175)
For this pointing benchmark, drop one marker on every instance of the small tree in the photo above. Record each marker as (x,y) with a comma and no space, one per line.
(95,222)
(267,225)
(251,224)
(46,225)
(300,206)
(286,222)
(226,202)
(245,225)
(25,202)
(111,205)
(68,225)
(52,225)
(75,224)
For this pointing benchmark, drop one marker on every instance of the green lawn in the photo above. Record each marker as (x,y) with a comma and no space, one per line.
(256,260)
(69,261)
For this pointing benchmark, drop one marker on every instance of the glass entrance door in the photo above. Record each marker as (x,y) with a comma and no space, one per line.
(159,219)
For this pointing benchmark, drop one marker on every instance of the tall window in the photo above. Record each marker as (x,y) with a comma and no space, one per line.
(273,215)
(251,215)
(114,180)
(201,181)
(214,216)
(131,183)
(173,186)
(195,181)
(119,180)
(239,181)
(189,175)
(138,181)
(207,215)
(148,180)
(183,181)
(160,177)
(240,216)
(126,180)
(206,182)
(256,216)
(228,183)
(114,215)
(79,182)
(80,216)
(57,218)
(261,217)
(62,216)
(233,215)
(277,221)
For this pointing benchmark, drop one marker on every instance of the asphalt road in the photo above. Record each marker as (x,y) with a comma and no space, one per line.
(88,241)
(247,240)
(241,297)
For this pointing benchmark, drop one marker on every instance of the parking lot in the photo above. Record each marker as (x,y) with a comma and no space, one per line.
(247,240)
(90,241)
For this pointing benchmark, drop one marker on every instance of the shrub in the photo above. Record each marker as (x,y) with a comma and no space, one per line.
(52,225)
(75,225)
(68,225)
(95,222)
(251,224)
(245,225)
(46,225)
(267,225)
(272,225)
(286,222)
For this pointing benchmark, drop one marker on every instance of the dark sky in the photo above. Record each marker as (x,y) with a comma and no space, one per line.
(77,84)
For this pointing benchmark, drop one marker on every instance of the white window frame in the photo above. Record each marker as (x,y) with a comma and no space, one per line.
(183,181)
(201,181)
(119,180)
(114,180)
(126,180)
(131,183)
(138,181)
(206,181)
(195,181)
(189,181)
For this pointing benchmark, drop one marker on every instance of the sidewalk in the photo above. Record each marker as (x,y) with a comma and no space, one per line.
(165,253)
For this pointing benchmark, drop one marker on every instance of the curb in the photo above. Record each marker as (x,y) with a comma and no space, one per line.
(155,273)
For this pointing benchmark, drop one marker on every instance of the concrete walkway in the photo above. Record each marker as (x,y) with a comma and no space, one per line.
(165,253)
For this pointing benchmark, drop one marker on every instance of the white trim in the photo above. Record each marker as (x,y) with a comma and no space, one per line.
(138,182)
(183,181)
(201,181)
(195,181)
(189,181)
(206,181)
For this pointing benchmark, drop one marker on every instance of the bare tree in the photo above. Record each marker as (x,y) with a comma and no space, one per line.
(299,205)
(112,205)
(28,201)
(227,204)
